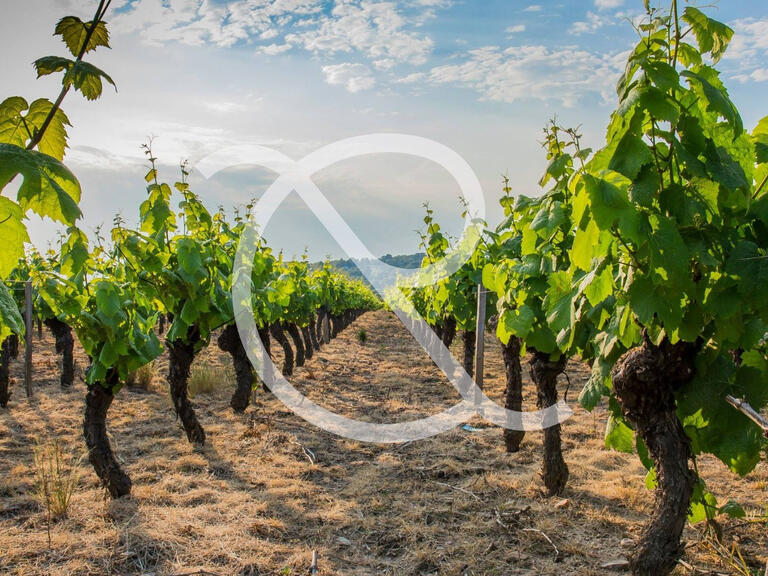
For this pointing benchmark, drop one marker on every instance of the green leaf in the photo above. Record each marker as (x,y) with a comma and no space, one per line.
(52,64)
(585,244)
(659,105)
(714,96)
(703,506)
(10,318)
(73,32)
(597,385)
(86,78)
(559,302)
(760,141)
(619,436)
(630,156)
(18,128)
(516,322)
(732,509)
(601,287)
(188,253)
(107,299)
(48,189)
(662,74)
(713,36)
(724,169)
(609,202)
(13,233)
(712,424)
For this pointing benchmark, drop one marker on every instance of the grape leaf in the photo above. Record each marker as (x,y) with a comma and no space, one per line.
(73,32)
(48,189)
(14,235)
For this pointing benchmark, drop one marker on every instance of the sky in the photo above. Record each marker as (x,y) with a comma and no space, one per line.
(482,77)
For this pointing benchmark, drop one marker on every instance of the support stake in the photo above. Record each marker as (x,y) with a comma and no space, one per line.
(480,337)
(28,327)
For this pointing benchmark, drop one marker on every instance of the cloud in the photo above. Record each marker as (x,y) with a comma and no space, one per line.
(593,23)
(274,49)
(608,4)
(748,51)
(534,8)
(376,30)
(354,77)
(515,29)
(566,74)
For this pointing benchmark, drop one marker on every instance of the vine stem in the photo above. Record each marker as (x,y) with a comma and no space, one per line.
(100,11)
(759,188)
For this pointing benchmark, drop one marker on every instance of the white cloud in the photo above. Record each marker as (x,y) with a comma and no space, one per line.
(593,23)
(608,4)
(565,75)
(376,30)
(273,49)
(515,29)
(748,51)
(354,77)
(756,75)
(226,107)
(534,8)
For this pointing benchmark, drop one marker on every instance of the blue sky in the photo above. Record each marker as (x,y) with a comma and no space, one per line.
(480,77)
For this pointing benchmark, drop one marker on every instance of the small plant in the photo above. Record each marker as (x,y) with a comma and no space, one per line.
(205,378)
(57,475)
(143,377)
(362,336)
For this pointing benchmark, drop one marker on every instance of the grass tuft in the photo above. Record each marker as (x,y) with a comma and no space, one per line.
(143,377)
(57,475)
(205,378)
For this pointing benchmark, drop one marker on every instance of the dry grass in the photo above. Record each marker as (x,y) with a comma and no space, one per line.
(205,378)
(57,475)
(253,502)
(143,377)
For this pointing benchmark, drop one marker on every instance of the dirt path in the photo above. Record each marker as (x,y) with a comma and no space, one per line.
(269,488)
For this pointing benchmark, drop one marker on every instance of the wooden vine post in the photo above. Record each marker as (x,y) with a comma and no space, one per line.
(28,327)
(326,329)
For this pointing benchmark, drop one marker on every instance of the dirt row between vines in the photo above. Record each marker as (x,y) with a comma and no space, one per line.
(269,488)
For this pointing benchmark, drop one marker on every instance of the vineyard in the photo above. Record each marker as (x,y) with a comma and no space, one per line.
(633,280)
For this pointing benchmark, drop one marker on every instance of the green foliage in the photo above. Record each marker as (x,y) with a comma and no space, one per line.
(669,224)
(74,32)
(33,140)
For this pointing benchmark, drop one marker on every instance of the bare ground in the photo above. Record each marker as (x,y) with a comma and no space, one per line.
(268,488)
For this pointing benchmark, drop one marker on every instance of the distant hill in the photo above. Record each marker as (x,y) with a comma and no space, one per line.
(403,261)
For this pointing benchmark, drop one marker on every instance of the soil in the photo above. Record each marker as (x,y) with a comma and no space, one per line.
(268,488)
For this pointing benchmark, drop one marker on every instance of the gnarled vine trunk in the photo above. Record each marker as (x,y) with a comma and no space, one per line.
(279,335)
(312,330)
(8,352)
(182,354)
(544,373)
(309,350)
(229,341)
(295,335)
(97,402)
(335,325)
(65,346)
(468,338)
(513,397)
(644,382)
(319,325)
(449,331)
